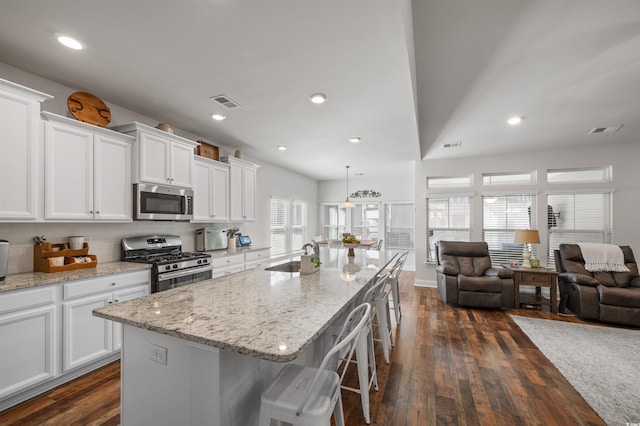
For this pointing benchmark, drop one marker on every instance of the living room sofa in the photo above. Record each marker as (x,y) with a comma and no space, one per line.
(612,297)
(465,276)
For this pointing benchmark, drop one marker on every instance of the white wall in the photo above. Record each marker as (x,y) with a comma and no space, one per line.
(393,188)
(104,239)
(625,159)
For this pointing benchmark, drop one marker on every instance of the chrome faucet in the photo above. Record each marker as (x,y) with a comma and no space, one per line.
(314,246)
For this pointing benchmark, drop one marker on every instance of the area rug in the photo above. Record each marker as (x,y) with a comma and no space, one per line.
(601,363)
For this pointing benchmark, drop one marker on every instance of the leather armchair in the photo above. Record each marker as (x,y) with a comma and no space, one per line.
(605,296)
(465,276)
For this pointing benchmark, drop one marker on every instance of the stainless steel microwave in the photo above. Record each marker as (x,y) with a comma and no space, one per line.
(156,202)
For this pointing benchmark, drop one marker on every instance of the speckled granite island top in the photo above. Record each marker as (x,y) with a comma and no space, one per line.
(269,315)
(37,279)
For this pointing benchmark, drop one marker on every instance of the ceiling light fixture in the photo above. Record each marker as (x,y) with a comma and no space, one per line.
(70,42)
(218,117)
(354,139)
(282,148)
(318,98)
(515,120)
(347,204)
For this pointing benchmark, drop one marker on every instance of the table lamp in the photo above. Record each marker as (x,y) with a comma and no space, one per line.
(526,237)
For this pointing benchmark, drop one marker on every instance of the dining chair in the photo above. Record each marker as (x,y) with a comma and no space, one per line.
(308,396)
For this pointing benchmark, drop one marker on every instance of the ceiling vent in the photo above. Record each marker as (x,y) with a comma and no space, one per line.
(225,101)
(452,145)
(609,129)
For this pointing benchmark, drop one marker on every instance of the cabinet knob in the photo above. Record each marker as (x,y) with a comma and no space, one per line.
(113,283)
(97,212)
(116,301)
(91,211)
(110,302)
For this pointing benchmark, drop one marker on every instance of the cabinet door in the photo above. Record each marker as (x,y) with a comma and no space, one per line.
(202,192)
(85,336)
(154,159)
(112,179)
(68,172)
(121,296)
(19,130)
(249,194)
(220,202)
(27,348)
(181,165)
(235,193)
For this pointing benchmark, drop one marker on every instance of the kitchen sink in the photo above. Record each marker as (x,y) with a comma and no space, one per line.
(293,266)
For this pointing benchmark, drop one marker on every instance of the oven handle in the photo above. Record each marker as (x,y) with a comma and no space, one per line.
(170,275)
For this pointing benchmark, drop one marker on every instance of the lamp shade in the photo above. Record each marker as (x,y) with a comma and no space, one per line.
(527,236)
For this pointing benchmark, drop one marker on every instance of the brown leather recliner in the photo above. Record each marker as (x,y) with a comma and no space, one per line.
(605,296)
(465,276)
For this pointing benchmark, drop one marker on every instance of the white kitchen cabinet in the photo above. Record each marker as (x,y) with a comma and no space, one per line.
(87,172)
(28,339)
(211,191)
(256,259)
(160,158)
(227,265)
(20,152)
(85,336)
(242,189)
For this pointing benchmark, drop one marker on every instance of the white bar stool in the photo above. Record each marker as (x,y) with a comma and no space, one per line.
(308,396)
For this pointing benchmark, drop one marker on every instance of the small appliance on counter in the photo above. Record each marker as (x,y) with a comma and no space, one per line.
(4,258)
(208,239)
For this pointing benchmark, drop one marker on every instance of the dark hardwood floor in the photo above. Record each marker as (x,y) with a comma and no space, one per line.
(450,366)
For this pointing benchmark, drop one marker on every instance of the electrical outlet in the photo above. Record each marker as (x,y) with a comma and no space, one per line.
(158,354)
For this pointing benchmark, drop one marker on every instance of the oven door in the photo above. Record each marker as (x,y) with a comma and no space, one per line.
(154,202)
(168,280)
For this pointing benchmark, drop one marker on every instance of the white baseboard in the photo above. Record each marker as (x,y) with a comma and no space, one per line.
(425,283)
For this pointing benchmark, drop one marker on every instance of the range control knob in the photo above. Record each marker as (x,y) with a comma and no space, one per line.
(175,266)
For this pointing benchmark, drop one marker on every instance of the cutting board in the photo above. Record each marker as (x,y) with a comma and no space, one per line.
(89,108)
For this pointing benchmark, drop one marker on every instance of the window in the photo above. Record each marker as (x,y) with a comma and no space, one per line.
(399,226)
(493,179)
(449,182)
(448,218)
(365,220)
(501,216)
(333,221)
(586,175)
(288,225)
(579,217)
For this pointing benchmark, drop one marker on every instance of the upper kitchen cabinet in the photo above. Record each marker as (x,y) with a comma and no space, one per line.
(242,193)
(87,172)
(20,151)
(211,191)
(160,158)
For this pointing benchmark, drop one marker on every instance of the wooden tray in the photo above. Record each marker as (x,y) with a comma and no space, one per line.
(208,151)
(89,108)
(42,252)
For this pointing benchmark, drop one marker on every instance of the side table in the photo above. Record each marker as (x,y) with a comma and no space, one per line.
(536,277)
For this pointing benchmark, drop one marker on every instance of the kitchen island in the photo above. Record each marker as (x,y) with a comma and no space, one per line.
(203,353)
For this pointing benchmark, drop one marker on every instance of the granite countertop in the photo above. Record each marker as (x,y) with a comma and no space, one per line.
(269,315)
(37,279)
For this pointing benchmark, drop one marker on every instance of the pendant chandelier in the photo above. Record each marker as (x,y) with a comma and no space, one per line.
(347,204)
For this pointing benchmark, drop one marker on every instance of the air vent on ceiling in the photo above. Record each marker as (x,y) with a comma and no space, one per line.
(609,129)
(225,101)
(452,145)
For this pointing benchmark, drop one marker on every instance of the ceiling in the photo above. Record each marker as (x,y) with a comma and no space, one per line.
(405,77)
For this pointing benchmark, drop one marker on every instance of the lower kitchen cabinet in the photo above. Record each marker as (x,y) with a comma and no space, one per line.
(28,339)
(86,337)
(227,265)
(256,259)
(48,335)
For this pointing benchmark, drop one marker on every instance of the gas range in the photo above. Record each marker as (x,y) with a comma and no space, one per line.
(171,266)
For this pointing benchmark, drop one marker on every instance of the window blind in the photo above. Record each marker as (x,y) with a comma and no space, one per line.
(365,219)
(448,218)
(579,218)
(501,216)
(279,226)
(400,226)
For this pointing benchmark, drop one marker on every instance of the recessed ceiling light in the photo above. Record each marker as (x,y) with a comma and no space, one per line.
(218,117)
(70,42)
(514,120)
(354,140)
(282,148)
(318,98)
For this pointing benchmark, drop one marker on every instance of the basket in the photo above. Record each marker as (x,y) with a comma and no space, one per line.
(42,252)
